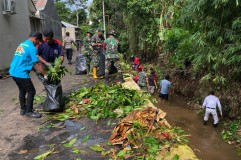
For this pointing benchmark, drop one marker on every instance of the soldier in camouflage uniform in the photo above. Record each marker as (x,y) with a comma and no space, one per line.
(88,51)
(97,45)
(111,55)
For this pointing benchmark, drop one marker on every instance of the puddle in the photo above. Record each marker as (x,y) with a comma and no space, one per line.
(61,133)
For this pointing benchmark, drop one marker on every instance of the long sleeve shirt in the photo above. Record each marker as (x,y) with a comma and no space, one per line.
(211,102)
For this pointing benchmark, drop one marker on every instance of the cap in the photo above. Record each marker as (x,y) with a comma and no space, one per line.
(38,35)
(112,32)
(89,31)
(99,30)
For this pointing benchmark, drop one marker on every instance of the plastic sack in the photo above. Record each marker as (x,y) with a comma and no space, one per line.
(101,69)
(80,65)
(53,101)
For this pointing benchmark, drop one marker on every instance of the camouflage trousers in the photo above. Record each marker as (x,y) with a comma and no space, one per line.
(94,59)
(116,63)
(88,60)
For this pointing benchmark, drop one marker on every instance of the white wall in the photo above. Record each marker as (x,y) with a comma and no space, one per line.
(13,30)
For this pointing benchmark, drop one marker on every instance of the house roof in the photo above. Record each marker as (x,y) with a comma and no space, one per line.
(68,25)
(40,4)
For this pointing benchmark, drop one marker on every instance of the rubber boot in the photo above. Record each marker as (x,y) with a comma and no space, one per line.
(215,125)
(106,78)
(91,71)
(87,70)
(94,72)
(205,122)
(121,77)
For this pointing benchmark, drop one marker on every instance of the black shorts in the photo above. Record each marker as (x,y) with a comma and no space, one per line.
(163,96)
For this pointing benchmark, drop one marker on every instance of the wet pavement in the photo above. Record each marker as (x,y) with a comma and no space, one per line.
(61,133)
(204,140)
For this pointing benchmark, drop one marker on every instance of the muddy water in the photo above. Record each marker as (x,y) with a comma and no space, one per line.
(204,140)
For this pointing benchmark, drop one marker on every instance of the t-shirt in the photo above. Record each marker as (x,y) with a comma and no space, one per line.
(23,60)
(151,80)
(68,42)
(50,51)
(165,85)
(142,79)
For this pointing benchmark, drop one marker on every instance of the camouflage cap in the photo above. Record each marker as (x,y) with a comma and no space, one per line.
(112,32)
(89,31)
(99,30)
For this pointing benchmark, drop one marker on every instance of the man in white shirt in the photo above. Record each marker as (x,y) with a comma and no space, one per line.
(211,102)
(68,41)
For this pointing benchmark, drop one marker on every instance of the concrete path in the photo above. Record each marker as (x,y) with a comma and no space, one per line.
(15,127)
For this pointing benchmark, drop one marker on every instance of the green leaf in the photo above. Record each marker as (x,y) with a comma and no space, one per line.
(86,138)
(71,143)
(44,155)
(97,148)
(82,128)
(121,153)
(176,157)
(77,151)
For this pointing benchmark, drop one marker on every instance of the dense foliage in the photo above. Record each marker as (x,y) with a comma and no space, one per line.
(207,34)
(136,21)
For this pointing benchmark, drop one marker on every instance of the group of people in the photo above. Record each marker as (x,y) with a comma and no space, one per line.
(210,104)
(35,54)
(149,82)
(38,53)
(96,47)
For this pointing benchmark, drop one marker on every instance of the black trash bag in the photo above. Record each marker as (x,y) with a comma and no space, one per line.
(53,101)
(101,69)
(80,65)
(112,68)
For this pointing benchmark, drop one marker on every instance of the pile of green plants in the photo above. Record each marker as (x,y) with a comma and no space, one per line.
(232,133)
(103,101)
(148,144)
(56,71)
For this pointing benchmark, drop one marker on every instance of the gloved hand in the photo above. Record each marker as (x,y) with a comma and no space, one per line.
(48,64)
(46,77)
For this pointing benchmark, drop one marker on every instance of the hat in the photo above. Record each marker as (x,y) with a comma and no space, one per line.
(99,30)
(48,33)
(112,32)
(38,35)
(89,31)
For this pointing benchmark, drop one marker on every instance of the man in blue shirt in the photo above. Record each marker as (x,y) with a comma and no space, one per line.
(165,86)
(24,59)
(49,50)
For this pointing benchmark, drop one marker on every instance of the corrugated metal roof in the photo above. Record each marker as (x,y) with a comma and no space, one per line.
(69,25)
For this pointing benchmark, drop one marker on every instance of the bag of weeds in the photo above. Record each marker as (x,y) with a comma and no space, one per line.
(53,101)
(101,69)
(80,65)
(53,87)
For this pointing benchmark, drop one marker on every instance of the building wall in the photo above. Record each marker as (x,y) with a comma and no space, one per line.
(13,30)
(51,19)
(71,32)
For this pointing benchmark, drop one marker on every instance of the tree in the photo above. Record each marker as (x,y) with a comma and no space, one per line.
(63,11)
(72,11)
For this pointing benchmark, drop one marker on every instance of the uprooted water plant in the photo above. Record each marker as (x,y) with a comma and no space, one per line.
(103,101)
